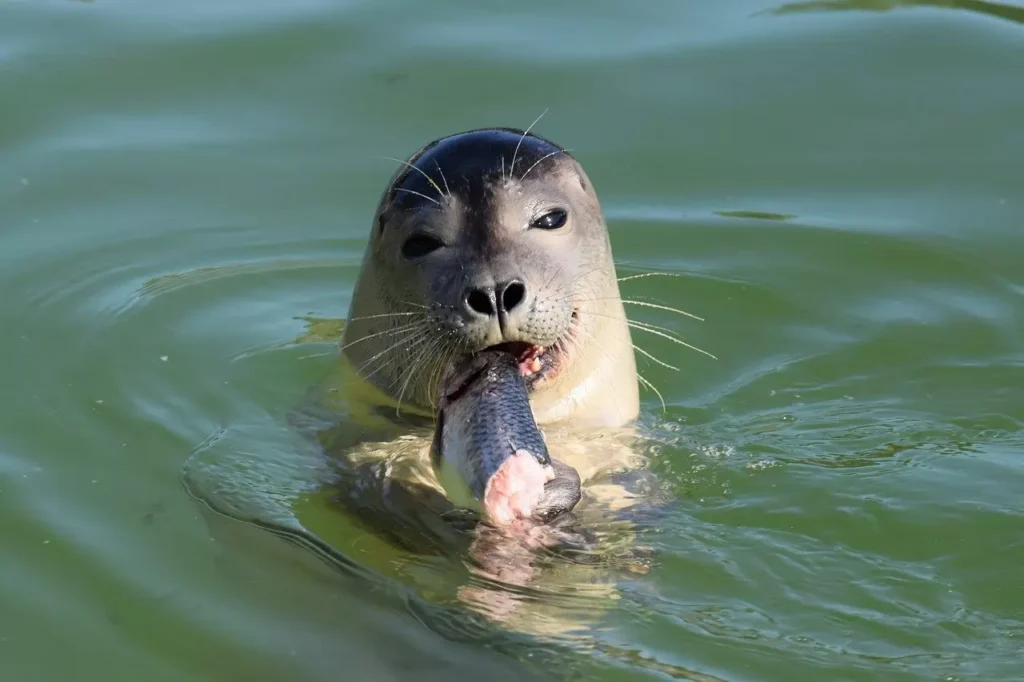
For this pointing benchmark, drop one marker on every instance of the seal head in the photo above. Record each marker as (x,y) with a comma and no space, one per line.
(494,238)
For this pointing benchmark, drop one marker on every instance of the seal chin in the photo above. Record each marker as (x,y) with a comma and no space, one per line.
(541,364)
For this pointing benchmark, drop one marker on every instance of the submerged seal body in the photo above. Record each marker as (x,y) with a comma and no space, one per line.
(494,238)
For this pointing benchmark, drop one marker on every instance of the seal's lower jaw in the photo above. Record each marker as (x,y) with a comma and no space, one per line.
(541,364)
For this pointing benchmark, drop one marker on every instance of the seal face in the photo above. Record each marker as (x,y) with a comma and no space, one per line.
(490,238)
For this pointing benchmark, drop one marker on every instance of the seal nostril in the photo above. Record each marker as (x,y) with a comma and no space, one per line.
(479,302)
(512,296)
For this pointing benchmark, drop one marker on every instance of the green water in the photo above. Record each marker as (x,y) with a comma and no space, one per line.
(185,193)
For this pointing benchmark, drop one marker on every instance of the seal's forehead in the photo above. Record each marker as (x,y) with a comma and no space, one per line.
(467,163)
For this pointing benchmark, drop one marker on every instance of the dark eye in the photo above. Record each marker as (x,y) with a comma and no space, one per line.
(419,245)
(552,220)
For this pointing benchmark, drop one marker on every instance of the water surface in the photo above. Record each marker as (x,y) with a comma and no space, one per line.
(185,194)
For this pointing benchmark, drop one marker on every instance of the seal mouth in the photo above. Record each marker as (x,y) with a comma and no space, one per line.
(462,385)
(539,364)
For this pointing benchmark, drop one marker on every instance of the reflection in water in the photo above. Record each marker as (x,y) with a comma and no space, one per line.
(859,513)
(992,9)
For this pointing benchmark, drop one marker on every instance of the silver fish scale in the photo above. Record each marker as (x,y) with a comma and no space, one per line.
(489,422)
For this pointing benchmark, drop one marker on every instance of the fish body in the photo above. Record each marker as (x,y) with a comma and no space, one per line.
(488,452)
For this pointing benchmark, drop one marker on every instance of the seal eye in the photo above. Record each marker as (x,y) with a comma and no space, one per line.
(552,220)
(419,245)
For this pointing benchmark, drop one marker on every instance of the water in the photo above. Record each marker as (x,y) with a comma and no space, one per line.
(185,192)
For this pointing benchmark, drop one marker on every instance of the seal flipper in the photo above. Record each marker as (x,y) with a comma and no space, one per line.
(561,494)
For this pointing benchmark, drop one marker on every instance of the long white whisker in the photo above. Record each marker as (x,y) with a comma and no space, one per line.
(649,385)
(639,376)
(652,329)
(571,287)
(373,317)
(420,171)
(512,168)
(640,350)
(449,189)
(435,377)
(419,194)
(646,304)
(649,274)
(648,325)
(663,307)
(410,332)
(413,367)
(414,344)
(396,330)
(538,161)
(649,330)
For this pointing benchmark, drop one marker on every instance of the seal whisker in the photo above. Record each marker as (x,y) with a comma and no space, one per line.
(512,168)
(593,339)
(640,350)
(443,178)
(420,171)
(435,377)
(571,292)
(649,325)
(526,300)
(419,194)
(650,386)
(394,357)
(554,274)
(657,306)
(638,322)
(373,317)
(663,307)
(413,368)
(649,274)
(538,161)
(574,296)
(376,334)
(639,376)
(408,334)
(653,330)
(438,360)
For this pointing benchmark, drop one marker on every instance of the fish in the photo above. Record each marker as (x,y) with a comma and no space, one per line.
(488,452)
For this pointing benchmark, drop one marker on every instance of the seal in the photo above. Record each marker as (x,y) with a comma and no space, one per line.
(488,240)
(494,238)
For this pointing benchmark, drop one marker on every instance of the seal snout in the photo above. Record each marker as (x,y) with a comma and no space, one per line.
(499,303)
